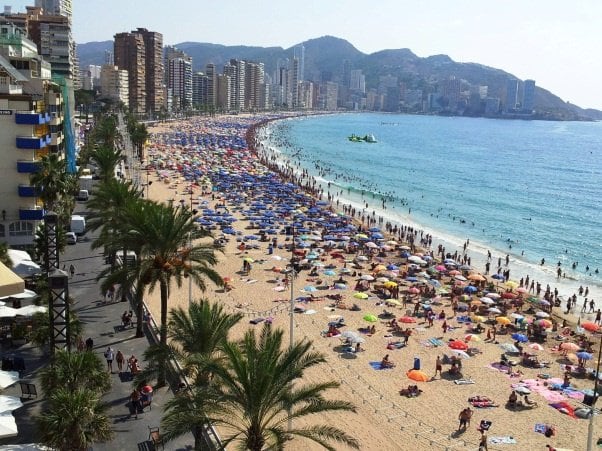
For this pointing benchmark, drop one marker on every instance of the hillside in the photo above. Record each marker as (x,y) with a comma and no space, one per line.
(327,57)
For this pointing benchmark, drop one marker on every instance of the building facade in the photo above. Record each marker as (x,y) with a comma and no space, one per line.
(114,84)
(31,126)
(528,104)
(180,82)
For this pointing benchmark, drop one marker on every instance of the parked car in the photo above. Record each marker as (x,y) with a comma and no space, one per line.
(71,238)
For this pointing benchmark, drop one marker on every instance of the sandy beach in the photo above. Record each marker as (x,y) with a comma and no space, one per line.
(385,420)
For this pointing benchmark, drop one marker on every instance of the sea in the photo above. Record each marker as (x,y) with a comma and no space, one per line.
(531,190)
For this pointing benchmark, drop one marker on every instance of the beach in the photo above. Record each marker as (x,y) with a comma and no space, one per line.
(206,162)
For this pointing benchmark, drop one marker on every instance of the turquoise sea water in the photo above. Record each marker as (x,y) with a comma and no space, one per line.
(533,185)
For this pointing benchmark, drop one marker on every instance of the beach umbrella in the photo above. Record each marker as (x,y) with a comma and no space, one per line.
(382,279)
(542,315)
(508,295)
(472,337)
(509,347)
(440,268)
(248,260)
(516,316)
(29,310)
(458,345)
(26,294)
(390,284)
(413,290)
(454,272)
(584,355)
(521,290)
(460,353)
(543,302)
(460,278)
(486,300)
(470,289)
(590,327)
(309,288)
(362,258)
(503,320)
(8,312)
(349,334)
(494,295)
(8,378)
(329,272)
(338,317)
(569,346)
(522,390)
(340,286)
(476,277)
(498,277)
(418,376)
(8,425)
(536,347)
(407,319)
(393,302)
(494,310)
(370,318)
(521,338)
(545,323)
(477,318)
(357,339)
(367,277)
(360,295)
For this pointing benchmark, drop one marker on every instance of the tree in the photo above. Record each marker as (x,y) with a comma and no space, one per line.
(164,237)
(74,420)
(75,370)
(255,390)
(139,135)
(107,132)
(106,158)
(4,257)
(51,180)
(41,331)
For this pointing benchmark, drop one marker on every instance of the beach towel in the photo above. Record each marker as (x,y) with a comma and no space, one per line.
(436,342)
(378,366)
(541,428)
(463,381)
(426,343)
(505,440)
(565,408)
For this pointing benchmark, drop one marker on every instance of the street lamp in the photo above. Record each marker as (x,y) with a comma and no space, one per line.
(291,274)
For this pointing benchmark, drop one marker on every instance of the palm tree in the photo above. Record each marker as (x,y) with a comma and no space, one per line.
(74,420)
(51,180)
(107,132)
(41,331)
(163,235)
(252,394)
(195,335)
(106,158)
(139,135)
(75,370)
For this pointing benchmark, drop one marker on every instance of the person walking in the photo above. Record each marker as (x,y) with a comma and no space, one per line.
(464,418)
(109,356)
(89,344)
(438,367)
(72,270)
(135,403)
(120,358)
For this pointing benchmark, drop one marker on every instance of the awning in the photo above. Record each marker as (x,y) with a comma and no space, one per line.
(10,283)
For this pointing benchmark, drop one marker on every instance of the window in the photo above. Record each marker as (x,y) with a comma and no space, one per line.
(20,228)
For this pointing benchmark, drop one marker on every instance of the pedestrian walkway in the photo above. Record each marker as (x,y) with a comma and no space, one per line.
(102,323)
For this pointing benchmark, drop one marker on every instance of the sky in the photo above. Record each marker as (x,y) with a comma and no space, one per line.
(554,42)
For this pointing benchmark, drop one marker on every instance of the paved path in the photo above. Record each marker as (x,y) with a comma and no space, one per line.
(102,322)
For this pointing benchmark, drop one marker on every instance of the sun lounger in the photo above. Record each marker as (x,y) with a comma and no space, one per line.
(463,381)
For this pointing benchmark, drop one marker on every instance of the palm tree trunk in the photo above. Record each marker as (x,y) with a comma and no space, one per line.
(164,294)
(139,293)
(124,262)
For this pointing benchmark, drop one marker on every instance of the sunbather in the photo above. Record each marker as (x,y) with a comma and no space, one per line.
(386,363)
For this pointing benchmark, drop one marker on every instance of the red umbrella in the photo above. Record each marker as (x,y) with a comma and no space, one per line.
(508,295)
(459,345)
(414,290)
(569,346)
(589,326)
(407,319)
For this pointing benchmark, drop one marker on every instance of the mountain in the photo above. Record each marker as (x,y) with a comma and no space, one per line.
(329,58)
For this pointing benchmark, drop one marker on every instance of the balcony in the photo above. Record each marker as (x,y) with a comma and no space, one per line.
(11,89)
(30,118)
(28,191)
(28,167)
(56,138)
(54,98)
(55,118)
(31,213)
(31,142)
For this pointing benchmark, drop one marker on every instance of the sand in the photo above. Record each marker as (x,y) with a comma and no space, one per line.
(384,420)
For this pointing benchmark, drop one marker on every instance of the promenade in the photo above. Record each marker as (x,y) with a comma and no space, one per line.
(102,322)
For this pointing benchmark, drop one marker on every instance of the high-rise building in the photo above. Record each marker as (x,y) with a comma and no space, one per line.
(114,84)
(357,81)
(199,89)
(141,54)
(57,8)
(224,92)
(528,96)
(180,82)
(237,72)
(31,126)
(211,85)
(254,79)
(299,53)
(130,55)
(294,84)
(511,94)
(331,95)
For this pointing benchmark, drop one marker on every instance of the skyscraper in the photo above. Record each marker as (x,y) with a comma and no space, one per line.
(180,82)
(511,94)
(211,85)
(299,53)
(237,73)
(528,96)
(57,8)
(141,54)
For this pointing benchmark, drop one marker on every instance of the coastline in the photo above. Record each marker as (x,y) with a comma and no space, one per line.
(385,420)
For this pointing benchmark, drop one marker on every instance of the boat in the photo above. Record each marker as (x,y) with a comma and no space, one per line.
(358,139)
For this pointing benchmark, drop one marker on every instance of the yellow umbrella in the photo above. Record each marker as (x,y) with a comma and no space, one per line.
(472,337)
(477,318)
(476,277)
(392,301)
(361,235)
(390,284)
(360,295)
(248,260)
(379,268)
(503,320)
(511,284)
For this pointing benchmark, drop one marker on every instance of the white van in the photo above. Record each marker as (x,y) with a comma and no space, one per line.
(78,224)
(71,238)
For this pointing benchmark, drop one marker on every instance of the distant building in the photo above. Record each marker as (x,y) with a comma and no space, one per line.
(357,81)
(211,73)
(114,84)
(236,69)
(57,7)
(140,52)
(90,77)
(528,104)
(180,82)
(331,95)
(224,92)
(299,54)
(254,80)
(199,89)
(492,106)
(511,95)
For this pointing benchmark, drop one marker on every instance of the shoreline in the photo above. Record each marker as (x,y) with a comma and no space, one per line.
(385,419)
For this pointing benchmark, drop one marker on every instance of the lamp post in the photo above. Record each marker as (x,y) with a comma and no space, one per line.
(590,426)
(291,274)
